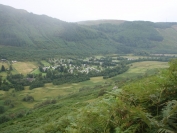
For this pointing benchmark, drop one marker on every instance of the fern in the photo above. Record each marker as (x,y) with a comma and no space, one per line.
(169,121)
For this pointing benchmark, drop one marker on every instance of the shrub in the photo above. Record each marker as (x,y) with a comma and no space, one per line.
(7,102)
(20,114)
(46,102)
(36,84)
(19,87)
(84,88)
(4,119)
(4,87)
(101,92)
(28,98)
(2,109)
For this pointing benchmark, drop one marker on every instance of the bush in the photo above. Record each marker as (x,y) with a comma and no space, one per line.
(84,88)
(20,114)
(36,84)
(2,109)
(19,87)
(47,102)
(101,92)
(7,102)
(4,119)
(4,87)
(28,98)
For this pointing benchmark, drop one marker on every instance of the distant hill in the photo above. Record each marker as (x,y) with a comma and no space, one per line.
(141,35)
(25,35)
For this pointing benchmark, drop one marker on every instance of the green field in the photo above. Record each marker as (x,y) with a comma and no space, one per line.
(53,91)
(45,63)
(49,91)
(24,67)
(131,56)
(140,68)
(6,65)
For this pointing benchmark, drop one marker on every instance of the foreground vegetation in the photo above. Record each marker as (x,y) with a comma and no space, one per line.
(134,105)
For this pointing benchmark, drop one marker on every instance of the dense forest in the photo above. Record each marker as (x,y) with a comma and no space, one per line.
(25,36)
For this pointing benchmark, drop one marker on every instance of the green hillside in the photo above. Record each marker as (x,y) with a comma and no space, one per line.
(25,35)
(141,35)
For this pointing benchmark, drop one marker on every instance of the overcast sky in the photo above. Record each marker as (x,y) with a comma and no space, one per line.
(80,10)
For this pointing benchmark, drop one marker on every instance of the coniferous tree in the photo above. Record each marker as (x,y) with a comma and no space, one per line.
(10,68)
(3,68)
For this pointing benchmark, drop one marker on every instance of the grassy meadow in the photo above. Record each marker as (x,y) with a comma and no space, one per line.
(25,67)
(45,63)
(6,65)
(140,68)
(131,56)
(49,91)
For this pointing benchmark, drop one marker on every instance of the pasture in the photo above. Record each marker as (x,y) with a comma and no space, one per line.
(141,68)
(49,91)
(6,65)
(45,63)
(131,56)
(53,91)
(24,67)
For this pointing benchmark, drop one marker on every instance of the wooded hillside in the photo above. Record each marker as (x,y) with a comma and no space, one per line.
(28,36)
